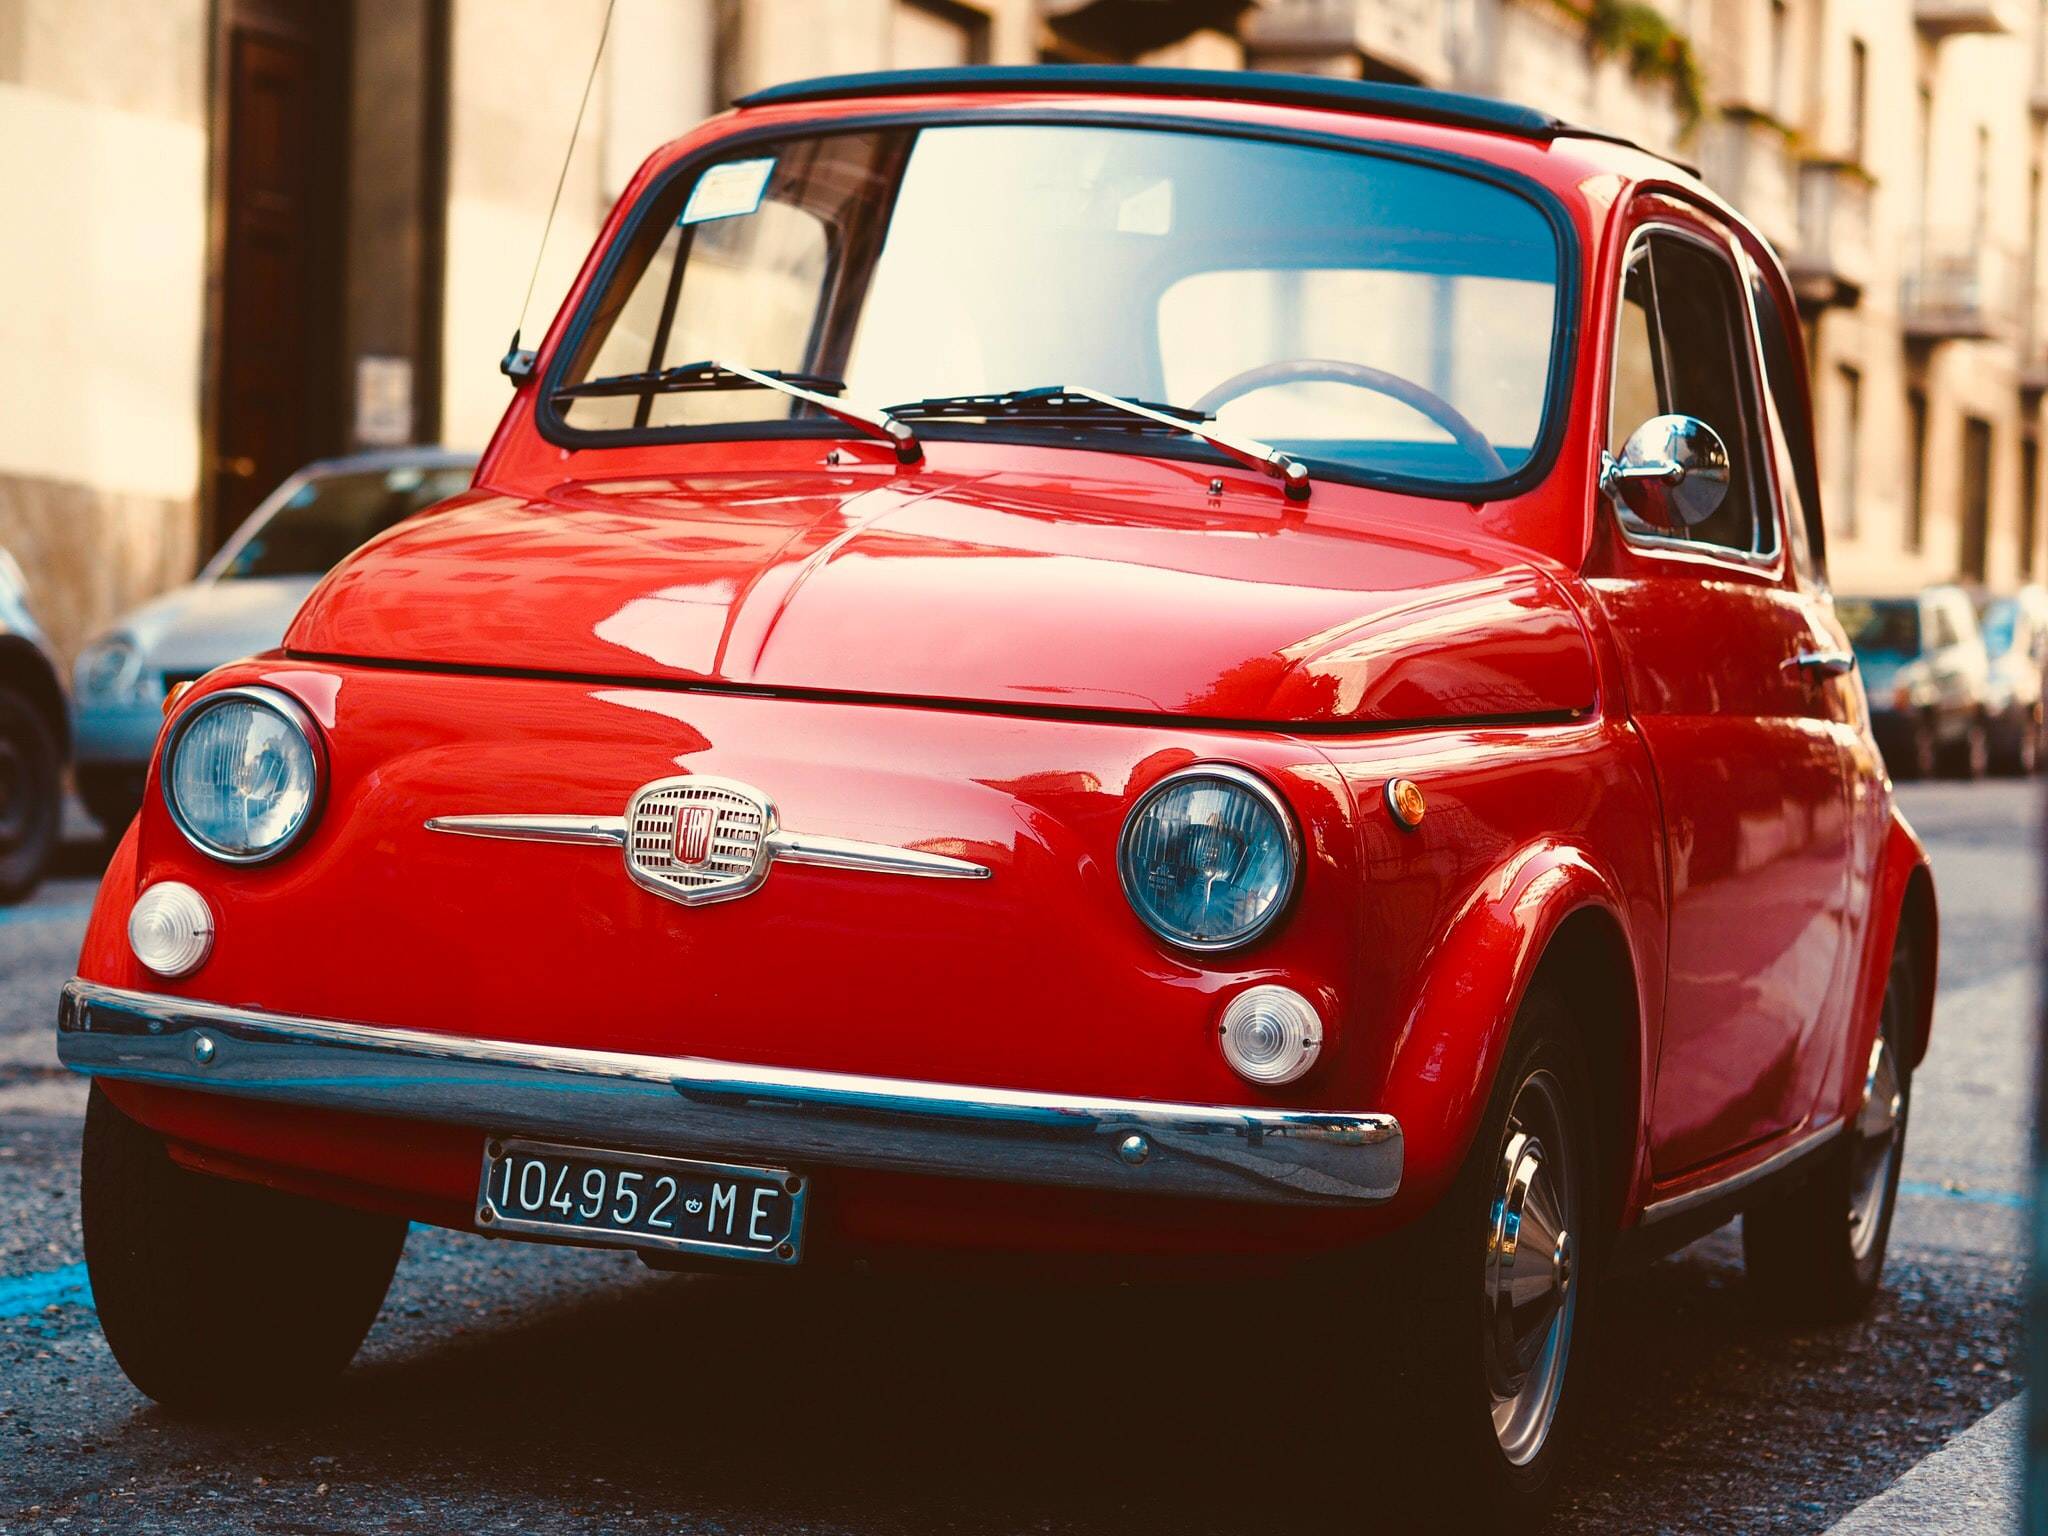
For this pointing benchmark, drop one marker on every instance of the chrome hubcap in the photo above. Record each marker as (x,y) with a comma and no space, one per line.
(1877,1145)
(1531,1253)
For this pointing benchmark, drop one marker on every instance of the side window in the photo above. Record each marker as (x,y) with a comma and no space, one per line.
(1791,421)
(1688,300)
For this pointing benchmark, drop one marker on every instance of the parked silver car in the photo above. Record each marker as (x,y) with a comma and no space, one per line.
(239,604)
(1928,680)
(34,736)
(2016,638)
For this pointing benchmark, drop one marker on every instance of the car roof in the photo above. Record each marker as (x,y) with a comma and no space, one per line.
(1370,98)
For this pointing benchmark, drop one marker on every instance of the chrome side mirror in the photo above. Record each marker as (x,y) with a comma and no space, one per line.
(1672,473)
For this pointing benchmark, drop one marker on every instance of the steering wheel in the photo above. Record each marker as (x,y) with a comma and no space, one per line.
(1330,370)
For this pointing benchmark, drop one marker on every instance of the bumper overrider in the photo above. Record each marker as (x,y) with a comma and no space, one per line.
(688,1105)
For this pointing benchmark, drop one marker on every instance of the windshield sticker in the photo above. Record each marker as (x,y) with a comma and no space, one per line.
(727,191)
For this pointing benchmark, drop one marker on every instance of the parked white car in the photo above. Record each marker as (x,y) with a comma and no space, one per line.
(239,604)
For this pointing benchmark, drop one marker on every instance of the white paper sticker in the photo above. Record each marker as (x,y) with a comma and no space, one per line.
(729,190)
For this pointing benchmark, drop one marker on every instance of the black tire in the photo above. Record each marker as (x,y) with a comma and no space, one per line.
(1816,1251)
(1456,1373)
(31,795)
(1970,758)
(1919,756)
(2021,756)
(216,1296)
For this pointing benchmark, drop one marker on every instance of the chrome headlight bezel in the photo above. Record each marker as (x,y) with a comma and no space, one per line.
(1270,800)
(286,708)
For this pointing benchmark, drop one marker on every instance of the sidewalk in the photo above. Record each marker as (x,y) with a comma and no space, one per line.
(1971,1485)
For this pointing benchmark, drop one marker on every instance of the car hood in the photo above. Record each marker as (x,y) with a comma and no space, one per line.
(197,627)
(1010,591)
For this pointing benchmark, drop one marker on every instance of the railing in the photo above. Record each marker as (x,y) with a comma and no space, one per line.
(1408,36)
(1958,287)
(1747,158)
(1947,18)
(1832,262)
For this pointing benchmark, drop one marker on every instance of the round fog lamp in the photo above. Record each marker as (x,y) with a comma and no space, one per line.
(171,929)
(1271,1034)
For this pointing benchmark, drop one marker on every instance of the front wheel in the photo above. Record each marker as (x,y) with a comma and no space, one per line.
(217,1296)
(1817,1251)
(1502,1285)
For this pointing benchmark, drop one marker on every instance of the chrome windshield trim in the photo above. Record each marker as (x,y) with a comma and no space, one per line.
(735,1111)
(1784,1157)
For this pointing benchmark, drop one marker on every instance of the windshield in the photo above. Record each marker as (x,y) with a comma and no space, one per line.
(1389,317)
(329,515)
(1881,626)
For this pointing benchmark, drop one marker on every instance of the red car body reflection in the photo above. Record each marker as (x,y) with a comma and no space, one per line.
(989,655)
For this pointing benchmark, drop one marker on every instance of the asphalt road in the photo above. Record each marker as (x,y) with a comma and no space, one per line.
(515,1388)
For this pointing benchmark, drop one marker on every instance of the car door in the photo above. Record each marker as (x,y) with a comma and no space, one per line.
(1719,643)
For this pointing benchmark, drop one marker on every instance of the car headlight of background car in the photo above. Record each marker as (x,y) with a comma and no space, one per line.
(1209,857)
(110,668)
(242,774)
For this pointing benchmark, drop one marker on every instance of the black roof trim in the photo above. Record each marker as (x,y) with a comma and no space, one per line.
(1364,96)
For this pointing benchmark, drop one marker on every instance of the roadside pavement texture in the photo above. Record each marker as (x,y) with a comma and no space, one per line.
(1970,1486)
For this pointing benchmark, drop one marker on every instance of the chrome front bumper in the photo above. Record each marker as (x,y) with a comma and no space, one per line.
(688,1105)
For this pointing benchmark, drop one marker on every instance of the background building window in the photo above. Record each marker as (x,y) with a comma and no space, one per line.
(1916,470)
(2030,502)
(1859,100)
(1848,445)
(1976,502)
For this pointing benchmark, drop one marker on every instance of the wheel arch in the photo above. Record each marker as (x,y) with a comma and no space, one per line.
(1551,915)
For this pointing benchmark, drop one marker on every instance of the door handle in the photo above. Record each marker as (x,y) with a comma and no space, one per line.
(1818,664)
(240,466)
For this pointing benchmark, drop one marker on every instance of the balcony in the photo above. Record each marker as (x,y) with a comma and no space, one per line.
(1958,288)
(1938,19)
(1746,156)
(1404,39)
(1832,261)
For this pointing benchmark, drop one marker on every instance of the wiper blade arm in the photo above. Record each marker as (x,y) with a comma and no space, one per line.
(1248,451)
(1059,402)
(806,387)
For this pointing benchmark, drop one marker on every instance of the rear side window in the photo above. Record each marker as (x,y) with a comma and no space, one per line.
(1681,345)
(1791,419)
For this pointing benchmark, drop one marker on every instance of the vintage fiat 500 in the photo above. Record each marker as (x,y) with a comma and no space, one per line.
(1080,667)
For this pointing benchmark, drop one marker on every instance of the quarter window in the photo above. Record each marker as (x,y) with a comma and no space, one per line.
(1681,345)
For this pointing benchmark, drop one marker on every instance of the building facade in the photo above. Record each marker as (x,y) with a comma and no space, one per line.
(260,231)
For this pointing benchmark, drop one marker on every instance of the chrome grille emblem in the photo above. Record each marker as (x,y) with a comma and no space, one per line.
(694,826)
(698,840)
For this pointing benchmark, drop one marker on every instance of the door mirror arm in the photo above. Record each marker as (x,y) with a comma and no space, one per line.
(1672,473)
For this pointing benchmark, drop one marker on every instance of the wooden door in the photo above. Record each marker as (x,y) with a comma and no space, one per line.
(275,396)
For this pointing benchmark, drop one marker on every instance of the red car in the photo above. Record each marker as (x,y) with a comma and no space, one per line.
(1098,668)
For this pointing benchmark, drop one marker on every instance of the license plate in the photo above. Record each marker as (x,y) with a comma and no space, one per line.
(634,1201)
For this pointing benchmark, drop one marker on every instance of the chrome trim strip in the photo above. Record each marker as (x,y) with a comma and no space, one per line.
(783,846)
(691,1106)
(876,858)
(1784,1157)
(605,831)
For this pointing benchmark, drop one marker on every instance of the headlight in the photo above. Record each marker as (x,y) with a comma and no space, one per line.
(241,774)
(108,668)
(1209,857)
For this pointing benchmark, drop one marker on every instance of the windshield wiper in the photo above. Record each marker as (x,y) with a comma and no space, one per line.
(806,387)
(1066,402)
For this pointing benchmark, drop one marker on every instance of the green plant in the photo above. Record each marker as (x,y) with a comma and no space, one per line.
(1651,48)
